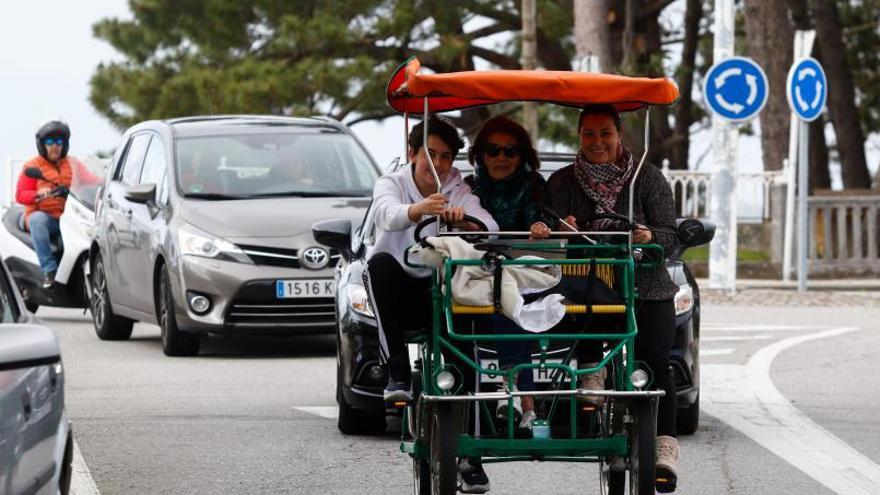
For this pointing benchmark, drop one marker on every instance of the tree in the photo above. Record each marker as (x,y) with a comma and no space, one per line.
(770,37)
(684,112)
(841,96)
(331,57)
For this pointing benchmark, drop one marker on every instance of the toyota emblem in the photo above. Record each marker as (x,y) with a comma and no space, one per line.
(315,258)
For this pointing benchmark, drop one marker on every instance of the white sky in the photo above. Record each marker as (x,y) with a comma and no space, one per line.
(48,55)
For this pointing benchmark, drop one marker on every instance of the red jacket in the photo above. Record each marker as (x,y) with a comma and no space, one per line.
(61,173)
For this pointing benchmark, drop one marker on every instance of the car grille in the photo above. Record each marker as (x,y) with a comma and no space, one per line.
(255,305)
(287,258)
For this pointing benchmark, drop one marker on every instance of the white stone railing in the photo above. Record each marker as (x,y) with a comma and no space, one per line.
(843,233)
(692,190)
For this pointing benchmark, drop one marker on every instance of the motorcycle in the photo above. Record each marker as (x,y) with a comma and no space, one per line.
(71,247)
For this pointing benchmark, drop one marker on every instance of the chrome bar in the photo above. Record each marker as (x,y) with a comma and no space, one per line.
(632,184)
(430,160)
(635,394)
(526,233)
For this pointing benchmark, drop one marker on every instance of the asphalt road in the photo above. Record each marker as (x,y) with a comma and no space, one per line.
(255,415)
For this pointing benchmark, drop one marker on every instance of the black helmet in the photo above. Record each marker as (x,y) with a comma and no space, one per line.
(56,129)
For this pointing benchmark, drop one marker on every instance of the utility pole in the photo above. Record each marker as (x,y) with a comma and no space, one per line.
(529,62)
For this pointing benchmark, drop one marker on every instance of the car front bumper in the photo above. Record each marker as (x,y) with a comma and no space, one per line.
(243,299)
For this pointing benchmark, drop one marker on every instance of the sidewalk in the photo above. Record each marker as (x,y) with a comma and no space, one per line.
(826,293)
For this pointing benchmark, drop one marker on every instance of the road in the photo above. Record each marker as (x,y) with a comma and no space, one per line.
(256,415)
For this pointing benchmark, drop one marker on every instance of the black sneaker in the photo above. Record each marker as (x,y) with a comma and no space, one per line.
(48,280)
(471,477)
(398,392)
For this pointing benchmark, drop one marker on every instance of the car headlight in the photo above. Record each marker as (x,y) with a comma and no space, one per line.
(359,301)
(684,299)
(197,243)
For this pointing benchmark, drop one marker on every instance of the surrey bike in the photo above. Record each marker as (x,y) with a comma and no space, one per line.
(619,436)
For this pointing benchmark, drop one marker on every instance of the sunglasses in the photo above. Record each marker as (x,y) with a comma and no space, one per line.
(51,141)
(510,151)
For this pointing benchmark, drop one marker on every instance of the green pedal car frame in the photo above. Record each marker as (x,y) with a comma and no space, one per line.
(620,434)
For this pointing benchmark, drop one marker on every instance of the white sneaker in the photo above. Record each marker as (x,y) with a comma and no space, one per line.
(593,381)
(667,464)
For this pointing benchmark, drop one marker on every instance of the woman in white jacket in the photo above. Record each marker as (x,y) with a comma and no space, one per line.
(401,295)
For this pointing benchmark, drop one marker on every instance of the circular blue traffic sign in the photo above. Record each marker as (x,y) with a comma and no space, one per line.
(735,89)
(806,89)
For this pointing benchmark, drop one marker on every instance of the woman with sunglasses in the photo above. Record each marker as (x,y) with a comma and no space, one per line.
(507,181)
(598,182)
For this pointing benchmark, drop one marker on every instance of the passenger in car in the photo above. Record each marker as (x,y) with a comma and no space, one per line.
(401,294)
(598,182)
(507,181)
(199,172)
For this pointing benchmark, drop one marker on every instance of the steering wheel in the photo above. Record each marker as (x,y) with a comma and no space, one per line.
(468,237)
(617,217)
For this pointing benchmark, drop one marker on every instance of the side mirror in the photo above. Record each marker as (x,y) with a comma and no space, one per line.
(141,193)
(34,173)
(693,232)
(26,345)
(334,233)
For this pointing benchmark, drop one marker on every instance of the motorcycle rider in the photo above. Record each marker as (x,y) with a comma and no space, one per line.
(44,199)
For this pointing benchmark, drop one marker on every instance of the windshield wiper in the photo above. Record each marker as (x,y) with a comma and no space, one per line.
(215,196)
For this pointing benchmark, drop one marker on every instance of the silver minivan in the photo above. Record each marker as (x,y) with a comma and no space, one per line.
(36,442)
(204,226)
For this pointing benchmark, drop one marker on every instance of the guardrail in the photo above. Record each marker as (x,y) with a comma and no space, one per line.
(843,234)
(692,192)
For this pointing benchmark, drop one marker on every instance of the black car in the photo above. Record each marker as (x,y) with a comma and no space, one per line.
(361,378)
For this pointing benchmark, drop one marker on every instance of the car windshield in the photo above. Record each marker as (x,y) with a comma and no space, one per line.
(86,175)
(315,164)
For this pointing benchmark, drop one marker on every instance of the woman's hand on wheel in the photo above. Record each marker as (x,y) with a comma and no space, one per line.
(642,234)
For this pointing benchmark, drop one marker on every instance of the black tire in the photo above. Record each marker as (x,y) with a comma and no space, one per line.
(354,421)
(443,447)
(31,306)
(174,341)
(421,477)
(108,326)
(643,455)
(66,475)
(687,420)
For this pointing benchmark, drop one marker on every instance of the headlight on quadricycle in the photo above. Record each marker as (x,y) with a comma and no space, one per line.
(359,301)
(195,242)
(684,299)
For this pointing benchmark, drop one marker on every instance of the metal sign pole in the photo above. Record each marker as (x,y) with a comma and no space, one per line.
(803,186)
(722,252)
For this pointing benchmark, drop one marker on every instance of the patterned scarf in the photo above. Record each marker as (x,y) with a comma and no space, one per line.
(602,182)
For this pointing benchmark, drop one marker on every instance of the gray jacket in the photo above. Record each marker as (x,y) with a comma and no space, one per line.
(653,206)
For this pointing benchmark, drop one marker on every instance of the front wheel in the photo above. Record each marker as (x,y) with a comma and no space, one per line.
(444,470)
(643,456)
(174,342)
(687,420)
(108,326)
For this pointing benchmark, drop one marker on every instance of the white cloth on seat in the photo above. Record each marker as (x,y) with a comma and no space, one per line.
(473,286)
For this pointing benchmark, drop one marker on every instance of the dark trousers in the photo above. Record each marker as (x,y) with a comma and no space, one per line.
(656,324)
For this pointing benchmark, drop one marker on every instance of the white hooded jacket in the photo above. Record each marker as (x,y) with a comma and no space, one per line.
(394,193)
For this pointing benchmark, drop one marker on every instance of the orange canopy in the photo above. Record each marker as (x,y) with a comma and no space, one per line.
(456,90)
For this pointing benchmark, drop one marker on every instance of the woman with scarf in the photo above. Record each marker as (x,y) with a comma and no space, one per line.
(507,181)
(598,182)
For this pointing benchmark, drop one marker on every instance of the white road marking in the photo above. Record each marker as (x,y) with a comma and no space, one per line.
(735,338)
(716,352)
(717,327)
(745,398)
(331,412)
(81,482)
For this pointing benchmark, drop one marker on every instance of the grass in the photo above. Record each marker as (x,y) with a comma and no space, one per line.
(702,254)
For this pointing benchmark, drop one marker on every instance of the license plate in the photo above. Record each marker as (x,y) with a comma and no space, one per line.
(541,375)
(291,289)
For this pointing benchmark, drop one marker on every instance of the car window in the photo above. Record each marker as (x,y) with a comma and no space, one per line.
(253,165)
(8,306)
(154,165)
(134,159)
(162,192)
